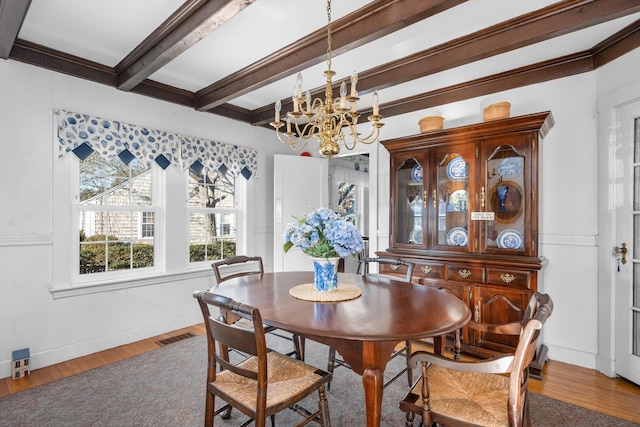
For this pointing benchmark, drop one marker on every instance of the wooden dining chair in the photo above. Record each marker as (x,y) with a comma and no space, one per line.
(440,344)
(265,383)
(405,270)
(490,392)
(242,265)
(237,266)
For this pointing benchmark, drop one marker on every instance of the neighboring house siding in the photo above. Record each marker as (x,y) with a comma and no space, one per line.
(119,224)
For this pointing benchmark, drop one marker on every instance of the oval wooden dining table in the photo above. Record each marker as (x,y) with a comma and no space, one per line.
(364,330)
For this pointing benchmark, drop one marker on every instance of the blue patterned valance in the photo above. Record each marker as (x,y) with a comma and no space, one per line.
(216,156)
(83,134)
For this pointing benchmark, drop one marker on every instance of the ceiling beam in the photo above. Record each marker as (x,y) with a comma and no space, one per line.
(54,60)
(184,28)
(556,68)
(558,19)
(373,21)
(604,52)
(553,21)
(12,13)
(617,45)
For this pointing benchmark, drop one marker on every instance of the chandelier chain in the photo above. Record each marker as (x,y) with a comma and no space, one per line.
(329,34)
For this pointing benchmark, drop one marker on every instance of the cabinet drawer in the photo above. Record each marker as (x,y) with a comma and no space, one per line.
(393,270)
(460,290)
(506,277)
(428,270)
(465,273)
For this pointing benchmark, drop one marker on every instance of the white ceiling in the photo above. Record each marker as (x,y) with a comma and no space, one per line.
(107,31)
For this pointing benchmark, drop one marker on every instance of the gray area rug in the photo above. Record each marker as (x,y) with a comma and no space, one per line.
(166,387)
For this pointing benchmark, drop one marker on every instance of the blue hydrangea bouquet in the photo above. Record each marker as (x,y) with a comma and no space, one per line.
(325,237)
(323,234)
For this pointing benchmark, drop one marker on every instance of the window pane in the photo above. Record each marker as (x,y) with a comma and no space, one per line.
(636,156)
(111,182)
(636,333)
(109,241)
(211,236)
(92,258)
(142,255)
(118,256)
(147,225)
(636,187)
(636,285)
(211,190)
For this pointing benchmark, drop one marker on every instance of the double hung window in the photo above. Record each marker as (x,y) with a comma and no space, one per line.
(116,214)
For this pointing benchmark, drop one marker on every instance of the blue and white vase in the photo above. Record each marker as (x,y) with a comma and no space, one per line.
(325,278)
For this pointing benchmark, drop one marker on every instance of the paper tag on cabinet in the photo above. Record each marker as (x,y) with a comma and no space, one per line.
(482,216)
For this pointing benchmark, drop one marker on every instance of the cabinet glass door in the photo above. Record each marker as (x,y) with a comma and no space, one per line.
(451,201)
(410,203)
(505,183)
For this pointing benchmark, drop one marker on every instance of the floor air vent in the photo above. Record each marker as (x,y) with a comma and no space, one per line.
(173,339)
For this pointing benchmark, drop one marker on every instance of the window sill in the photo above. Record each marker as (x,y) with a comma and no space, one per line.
(93,288)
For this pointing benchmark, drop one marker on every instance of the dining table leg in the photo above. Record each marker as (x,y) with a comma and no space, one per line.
(368,359)
(373,380)
(375,356)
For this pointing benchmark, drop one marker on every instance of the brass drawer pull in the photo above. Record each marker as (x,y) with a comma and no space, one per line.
(464,273)
(426,269)
(395,267)
(507,278)
(476,313)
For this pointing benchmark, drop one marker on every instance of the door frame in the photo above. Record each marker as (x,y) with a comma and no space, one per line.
(607,104)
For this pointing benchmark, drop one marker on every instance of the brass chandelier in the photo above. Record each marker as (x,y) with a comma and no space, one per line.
(325,119)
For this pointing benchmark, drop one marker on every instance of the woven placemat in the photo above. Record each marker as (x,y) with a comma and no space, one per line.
(308,293)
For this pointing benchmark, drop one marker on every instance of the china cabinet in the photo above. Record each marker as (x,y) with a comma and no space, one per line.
(464,209)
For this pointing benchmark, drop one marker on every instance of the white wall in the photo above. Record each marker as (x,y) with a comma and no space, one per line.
(60,329)
(64,328)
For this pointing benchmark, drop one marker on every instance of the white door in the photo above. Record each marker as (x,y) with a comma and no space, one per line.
(627,232)
(301,184)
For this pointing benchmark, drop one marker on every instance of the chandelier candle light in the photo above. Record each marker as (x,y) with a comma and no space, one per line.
(326,119)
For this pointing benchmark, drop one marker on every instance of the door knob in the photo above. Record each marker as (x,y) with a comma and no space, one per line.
(622,251)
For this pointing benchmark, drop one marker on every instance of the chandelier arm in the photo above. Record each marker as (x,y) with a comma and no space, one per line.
(292,142)
(303,133)
(347,146)
(316,105)
(369,139)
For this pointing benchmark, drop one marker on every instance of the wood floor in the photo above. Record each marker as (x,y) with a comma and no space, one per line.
(569,383)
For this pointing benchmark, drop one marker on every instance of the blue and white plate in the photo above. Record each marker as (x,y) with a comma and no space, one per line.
(510,239)
(511,166)
(458,201)
(415,236)
(458,236)
(416,173)
(457,169)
